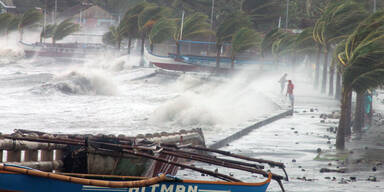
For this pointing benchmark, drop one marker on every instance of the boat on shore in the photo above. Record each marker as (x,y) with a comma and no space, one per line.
(190,60)
(67,51)
(16,178)
(38,161)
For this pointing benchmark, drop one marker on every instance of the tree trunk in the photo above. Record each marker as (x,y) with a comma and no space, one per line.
(338,85)
(317,70)
(325,69)
(340,136)
(233,62)
(129,45)
(348,120)
(359,113)
(151,47)
(331,77)
(142,52)
(21,33)
(218,54)
(178,49)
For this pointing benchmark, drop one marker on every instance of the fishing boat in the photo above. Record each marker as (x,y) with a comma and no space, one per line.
(16,178)
(37,161)
(66,50)
(193,57)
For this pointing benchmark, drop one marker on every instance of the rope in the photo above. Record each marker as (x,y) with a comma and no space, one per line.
(94,182)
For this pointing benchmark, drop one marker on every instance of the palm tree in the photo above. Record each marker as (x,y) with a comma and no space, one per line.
(130,23)
(305,45)
(194,26)
(47,32)
(146,19)
(363,59)
(227,28)
(64,29)
(5,18)
(339,19)
(242,40)
(29,18)
(161,31)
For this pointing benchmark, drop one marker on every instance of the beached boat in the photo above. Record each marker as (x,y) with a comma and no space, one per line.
(37,161)
(66,50)
(16,178)
(194,58)
(95,154)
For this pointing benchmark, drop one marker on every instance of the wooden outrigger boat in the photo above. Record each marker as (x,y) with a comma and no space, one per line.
(106,163)
(15,178)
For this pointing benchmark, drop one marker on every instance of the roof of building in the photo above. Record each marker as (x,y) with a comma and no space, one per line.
(7,3)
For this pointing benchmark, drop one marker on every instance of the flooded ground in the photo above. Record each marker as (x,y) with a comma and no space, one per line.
(296,140)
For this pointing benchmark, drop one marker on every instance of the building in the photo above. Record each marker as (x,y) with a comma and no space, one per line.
(7,6)
(89,16)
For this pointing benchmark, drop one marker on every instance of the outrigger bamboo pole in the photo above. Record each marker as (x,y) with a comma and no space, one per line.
(125,147)
(124,153)
(227,153)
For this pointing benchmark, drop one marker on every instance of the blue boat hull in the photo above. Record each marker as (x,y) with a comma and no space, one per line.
(10,181)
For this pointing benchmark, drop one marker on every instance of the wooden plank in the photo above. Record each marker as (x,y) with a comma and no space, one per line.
(13,156)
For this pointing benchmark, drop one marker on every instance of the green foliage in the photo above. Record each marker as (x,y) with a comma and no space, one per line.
(195,26)
(64,29)
(364,55)
(5,18)
(244,39)
(29,18)
(305,43)
(162,30)
(269,39)
(230,25)
(48,31)
(148,17)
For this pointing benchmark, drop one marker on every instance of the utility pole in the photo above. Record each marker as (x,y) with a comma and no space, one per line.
(374,6)
(212,10)
(54,15)
(287,15)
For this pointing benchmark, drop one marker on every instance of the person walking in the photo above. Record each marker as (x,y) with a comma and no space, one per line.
(290,88)
(282,81)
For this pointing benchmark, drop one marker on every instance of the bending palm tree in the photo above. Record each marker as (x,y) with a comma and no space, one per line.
(29,18)
(244,39)
(47,32)
(364,60)
(64,29)
(339,19)
(227,29)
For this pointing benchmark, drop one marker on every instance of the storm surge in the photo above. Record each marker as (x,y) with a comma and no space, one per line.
(79,83)
(215,104)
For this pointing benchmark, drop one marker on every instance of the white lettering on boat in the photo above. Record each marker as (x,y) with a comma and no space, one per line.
(154,187)
(134,189)
(165,189)
(180,188)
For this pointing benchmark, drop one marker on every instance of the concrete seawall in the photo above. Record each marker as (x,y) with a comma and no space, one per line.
(247,130)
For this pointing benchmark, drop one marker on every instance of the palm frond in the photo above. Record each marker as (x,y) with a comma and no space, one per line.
(64,29)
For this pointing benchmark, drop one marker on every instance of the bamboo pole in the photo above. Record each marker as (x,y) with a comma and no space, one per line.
(136,153)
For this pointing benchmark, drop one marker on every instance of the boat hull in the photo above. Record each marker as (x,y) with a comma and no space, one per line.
(10,181)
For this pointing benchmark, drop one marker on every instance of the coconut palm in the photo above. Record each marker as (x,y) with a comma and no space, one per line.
(242,40)
(194,26)
(364,65)
(161,31)
(227,28)
(47,32)
(5,18)
(130,22)
(146,19)
(29,18)
(339,19)
(64,29)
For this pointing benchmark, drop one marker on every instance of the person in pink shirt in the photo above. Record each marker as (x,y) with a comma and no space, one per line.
(290,88)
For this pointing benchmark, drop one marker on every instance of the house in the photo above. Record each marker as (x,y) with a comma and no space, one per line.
(89,16)
(7,6)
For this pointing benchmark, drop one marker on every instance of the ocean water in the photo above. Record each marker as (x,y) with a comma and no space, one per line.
(114,96)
